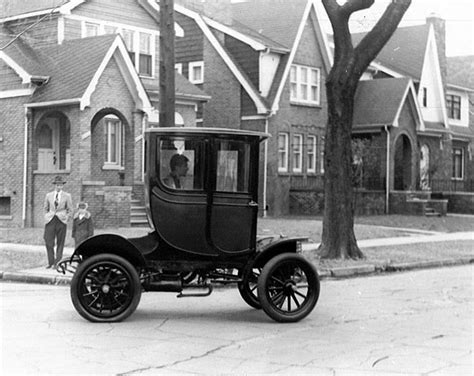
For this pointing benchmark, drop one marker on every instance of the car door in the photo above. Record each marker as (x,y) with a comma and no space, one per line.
(180,211)
(234,207)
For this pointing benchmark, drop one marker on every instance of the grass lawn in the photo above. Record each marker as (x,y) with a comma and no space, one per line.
(365,228)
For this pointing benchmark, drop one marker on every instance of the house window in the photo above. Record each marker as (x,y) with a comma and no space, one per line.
(283,152)
(5,206)
(304,84)
(140,49)
(144,55)
(458,163)
(311,154)
(297,153)
(425,97)
(90,29)
(453,104)
(178,67)
(196,72)
(113,142)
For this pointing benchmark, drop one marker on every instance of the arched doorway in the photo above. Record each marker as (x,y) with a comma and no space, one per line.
(403,164)
(53,135)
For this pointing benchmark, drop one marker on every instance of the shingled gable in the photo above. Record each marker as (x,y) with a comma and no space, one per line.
(76,66)
(283,23)
(380,102)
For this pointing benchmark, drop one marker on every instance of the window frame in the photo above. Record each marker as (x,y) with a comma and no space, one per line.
(451,106)
(297,146)
(191,76)
(460,155)
(109,122)
(132,42)
(311,155)
(301,88)
(284,151)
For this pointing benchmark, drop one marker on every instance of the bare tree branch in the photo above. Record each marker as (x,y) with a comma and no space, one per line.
(375,40)
(352,6)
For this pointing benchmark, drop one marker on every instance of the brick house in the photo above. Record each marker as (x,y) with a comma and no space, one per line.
(78,85)
(264,63)
(434,154)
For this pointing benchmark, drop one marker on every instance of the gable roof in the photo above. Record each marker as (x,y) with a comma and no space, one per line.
(71,67)
(379,102)
(461,71)
(71,71)
(274,25)
(405,51)
(275,21)
(18,9)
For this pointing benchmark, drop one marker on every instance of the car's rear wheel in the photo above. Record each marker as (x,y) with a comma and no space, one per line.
(288,287)
(105,288)
(248,286)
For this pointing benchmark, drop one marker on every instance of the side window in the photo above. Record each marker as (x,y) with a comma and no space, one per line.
(181,163)
(233,166)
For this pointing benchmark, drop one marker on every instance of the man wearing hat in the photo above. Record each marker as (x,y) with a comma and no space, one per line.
(57,209)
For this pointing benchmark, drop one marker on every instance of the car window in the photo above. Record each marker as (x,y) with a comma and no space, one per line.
(233,166)
(181,163)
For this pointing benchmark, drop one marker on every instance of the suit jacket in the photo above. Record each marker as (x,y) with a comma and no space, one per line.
(64,209)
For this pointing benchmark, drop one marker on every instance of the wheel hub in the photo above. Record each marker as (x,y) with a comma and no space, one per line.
(105,288)
(290,287)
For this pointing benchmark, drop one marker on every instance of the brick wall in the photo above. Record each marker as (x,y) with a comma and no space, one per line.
(223,110)
(109,206)
(12,120)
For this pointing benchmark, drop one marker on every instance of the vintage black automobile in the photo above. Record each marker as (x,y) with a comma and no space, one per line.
(203,233)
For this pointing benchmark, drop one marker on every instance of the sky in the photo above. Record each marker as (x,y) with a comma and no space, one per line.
(459,16)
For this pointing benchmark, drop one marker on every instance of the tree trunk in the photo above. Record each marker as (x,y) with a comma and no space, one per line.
(338,238)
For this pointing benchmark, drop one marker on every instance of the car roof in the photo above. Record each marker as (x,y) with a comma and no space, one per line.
(207,131)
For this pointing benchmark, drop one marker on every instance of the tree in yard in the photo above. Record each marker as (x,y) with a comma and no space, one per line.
(338,238)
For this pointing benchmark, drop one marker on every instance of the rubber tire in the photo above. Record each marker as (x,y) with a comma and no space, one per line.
(245,290)
(264,283)
(132,278)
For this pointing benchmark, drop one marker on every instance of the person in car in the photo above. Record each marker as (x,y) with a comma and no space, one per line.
(179,168)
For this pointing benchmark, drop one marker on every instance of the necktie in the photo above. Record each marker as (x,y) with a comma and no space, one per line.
(56,201)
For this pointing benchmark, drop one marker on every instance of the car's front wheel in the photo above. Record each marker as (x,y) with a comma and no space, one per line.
(288,287)
(105,288)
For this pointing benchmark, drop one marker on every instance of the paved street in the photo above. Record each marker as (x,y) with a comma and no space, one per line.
(407,323)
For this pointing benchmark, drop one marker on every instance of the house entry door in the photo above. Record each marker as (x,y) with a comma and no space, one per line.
(48,151)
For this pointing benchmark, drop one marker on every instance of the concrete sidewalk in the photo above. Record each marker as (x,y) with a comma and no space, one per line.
(48,276)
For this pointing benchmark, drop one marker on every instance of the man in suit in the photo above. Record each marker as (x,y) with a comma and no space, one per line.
(58,210)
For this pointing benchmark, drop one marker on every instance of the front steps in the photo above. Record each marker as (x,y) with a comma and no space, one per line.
(138,216)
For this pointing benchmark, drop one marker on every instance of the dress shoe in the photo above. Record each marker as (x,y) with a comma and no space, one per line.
(49,266)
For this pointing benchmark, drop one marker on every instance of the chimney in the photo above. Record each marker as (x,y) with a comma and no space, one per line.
(439,26)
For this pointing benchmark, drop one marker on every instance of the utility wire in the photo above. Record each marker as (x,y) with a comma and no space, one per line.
(32,25)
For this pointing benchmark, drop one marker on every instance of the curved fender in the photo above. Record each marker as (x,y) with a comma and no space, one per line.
(276,248)
(110,243)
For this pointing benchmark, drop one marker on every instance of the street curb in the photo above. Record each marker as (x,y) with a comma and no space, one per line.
(334,273)
(35,278)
